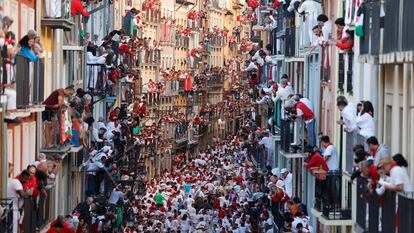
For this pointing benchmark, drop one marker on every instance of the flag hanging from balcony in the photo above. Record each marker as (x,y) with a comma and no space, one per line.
(359,24)
(187,83)
(349,6)
(62,129)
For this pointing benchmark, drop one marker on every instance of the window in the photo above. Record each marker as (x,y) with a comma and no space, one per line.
(341,72)
(388,125)
(349,83)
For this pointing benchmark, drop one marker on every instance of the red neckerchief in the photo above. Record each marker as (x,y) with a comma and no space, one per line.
(374,151)
(392,166)
(329,144)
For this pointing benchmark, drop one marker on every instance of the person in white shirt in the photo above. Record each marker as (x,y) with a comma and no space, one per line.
(293,5)
(329,153)
(399,179)
(365,122)
(283,91)
(116,195)
(266,141)
(267,223)
(326,27)
(348,114)
(287,178)
(265,98)
(15,192)
(92,166)
(252,66)
(271,23)
(312,9)
(10,92)
(189,201)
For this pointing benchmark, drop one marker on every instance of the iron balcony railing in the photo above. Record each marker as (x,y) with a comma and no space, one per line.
(306,36)
(215,3)
(182,41)
(328,197)
(167,33)
(29,82)
(257,154)
(352,139)
(370,42)
(215,80)
(35,216)
(56,136)
(6,222)
(186,2)
(218,41)
(131,60)
(152,16)
(392,206)
(152,57)
(280,19)
(56,14)
(290,41)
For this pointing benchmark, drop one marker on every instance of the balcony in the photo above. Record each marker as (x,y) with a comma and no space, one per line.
(153,17)
(193,136)
(182,42)
(306,36)
(56,137)
(370,42)
(56,15)
(218,41)
(216,80)
(215,4)
(290,42)
(180,136)
(368,218)
(352,139)
(167,34)
(186,2)
(333,210)
(35,214)
(398,33)
(133,61)
(280,18)
(29,85)
(152,57)
(288,130)
(257,155)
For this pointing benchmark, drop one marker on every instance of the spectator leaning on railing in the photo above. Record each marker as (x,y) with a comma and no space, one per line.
(365,121)
(398,181)
(16,192)
(54,102)
(378,151)
(329,153)
(27,45)
(348,114)
(315,159)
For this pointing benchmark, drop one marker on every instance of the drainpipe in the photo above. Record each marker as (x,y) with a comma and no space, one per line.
(56,54)
(4,162)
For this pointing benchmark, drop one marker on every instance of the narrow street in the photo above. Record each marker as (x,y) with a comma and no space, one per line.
(215,116)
